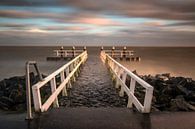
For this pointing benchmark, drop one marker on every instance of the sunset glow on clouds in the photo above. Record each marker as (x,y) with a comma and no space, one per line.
(97,22)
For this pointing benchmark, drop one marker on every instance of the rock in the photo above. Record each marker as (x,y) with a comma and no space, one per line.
(135,72)
(6,103)
(163,77)
(13,92)
(182,90)
(168,75)
(171,93)
(179,104)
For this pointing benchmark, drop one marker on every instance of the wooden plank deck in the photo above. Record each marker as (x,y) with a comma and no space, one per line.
(100,118)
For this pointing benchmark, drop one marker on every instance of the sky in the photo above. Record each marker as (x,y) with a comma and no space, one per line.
(97,22)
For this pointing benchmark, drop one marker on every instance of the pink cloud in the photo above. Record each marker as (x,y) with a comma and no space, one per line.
(99,21)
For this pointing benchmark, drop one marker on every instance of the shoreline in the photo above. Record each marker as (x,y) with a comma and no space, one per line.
(171,94)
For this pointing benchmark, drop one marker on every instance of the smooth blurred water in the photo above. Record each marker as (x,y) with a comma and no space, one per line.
(177,61)
(13,59)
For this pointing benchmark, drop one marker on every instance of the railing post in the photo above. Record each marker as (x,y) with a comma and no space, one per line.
(84,48)
(37,99)
(38,72)
(28,87)
(132,89)
(117,76)
(64,91)
(65,54)
(124,52)
(69,85)
(102,48)
(124,76)
(53,89)
(28,93)
(71,69)
(73,51)
(112,53)
(57,53)
(114,66)
(79,69)
(148,100)
(75,64)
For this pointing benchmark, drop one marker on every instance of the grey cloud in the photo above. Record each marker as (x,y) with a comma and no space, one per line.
(64,28)
(82,18)
(149,37)
(164,9)
(16,25)
(28,14)
(187,23)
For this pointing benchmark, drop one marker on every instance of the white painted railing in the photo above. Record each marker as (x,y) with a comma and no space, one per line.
(66,72)
(67,53)
(120,73)
(119,53)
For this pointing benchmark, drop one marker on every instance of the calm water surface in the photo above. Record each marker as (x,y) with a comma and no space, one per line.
(177,61)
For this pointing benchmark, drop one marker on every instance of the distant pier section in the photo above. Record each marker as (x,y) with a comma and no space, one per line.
(63,54)
(123,54)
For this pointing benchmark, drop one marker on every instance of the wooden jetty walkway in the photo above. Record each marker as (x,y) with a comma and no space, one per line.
(93,87)
(99,118)
(86,98)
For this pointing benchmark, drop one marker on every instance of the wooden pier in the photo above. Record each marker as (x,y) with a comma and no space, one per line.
(124,54)
(93,118)
(70,71)
(63,54)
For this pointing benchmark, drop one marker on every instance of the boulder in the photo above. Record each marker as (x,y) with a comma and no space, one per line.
(179,104)
(13,92)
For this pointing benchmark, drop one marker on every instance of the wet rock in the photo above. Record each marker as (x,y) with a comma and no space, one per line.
(6,103)
(182,90)
(163,77)
(179,104)
(171,93)
(13,92)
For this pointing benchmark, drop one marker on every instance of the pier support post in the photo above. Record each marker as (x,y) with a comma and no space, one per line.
(102,48)
(84,48)
(62,51)
(124,52)
(112,54)
(73,51)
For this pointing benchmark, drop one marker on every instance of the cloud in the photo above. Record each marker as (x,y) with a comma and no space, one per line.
(80,18)
(186,23)
(111,21)
(28,14)
(163,9)
(65,28)
(15,25)
(168,9)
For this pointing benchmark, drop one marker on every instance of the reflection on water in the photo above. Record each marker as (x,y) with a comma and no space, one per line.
(145,121)
(157,120)
(177,61)
(134,121)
